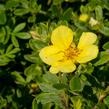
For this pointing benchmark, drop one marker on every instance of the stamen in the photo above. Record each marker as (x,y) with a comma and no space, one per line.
(71,53)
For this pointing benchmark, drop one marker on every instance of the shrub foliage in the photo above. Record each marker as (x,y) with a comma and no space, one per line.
(25,81)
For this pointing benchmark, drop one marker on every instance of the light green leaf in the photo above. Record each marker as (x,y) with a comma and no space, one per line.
(35,104)
(106,46)
(36,44)
(106,101)
(104,30)
(23,35)
(32,72)
(47,88)
(31,19)
(8,32)
(3,102)
(50,78)
(45,98)
(13,51)
(104,59)
(47,106)
(99,13)
(18,93)
(15,41)
(10,47)
(33,58)
(4,60)
(2,7)
(18,78)
(77,104)
(21,12)
(19,27)
(56,2)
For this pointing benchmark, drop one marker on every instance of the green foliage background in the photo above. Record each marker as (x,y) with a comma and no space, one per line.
(25,82)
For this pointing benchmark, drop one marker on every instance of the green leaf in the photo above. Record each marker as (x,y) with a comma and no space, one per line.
(81,25)
(18,78)
(106,46)
(84,9)
(75,84)
(23,35)
(33,58)
(47,88)
(57,2)
(15,41)
(11,4)
(47,106)
(45,98)
(2,7)
(104,30)
(33,69)
(19,27)
(77,104)
(10,52)
(3,102)
(31,19)
(50,78)
(99,13)
(101,105)
(11,56)
(104,59)
(10,47)
(2,35)
(33,3)
(32,72)
(37,44)
(60,86)
(18,93)
(21,12)
(67,15)
(35,104)
(8,32)
(13,51)
(4,60)
(85,68)
(8,56)
(3,18)
(106,101)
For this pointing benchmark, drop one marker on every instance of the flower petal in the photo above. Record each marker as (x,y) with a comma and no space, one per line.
(51,54)
(90,52)
(62,37)
(86,39)
(64,66)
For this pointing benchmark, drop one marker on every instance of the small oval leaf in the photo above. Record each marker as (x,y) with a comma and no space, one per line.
(23,35)
(75,84)
(19,27)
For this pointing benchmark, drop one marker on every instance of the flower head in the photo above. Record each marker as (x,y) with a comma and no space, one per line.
(63,53)
(93,22)
(83,17)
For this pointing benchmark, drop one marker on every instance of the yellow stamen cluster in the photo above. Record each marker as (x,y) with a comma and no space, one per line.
(71,53)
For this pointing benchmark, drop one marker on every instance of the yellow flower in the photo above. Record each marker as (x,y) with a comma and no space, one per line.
(83,17)
(63,53)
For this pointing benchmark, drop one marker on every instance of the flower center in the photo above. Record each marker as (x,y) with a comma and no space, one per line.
(71,53)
